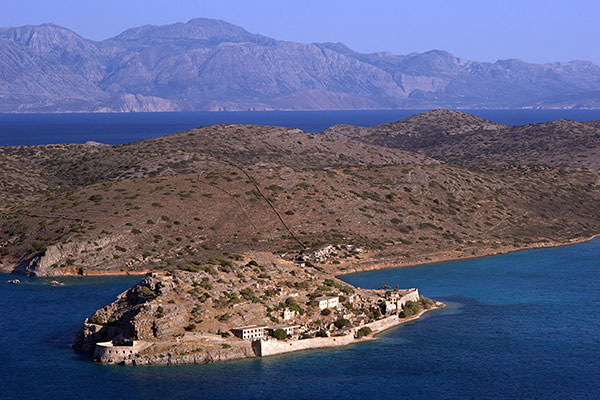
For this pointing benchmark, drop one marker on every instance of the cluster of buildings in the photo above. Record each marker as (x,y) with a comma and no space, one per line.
(389,302)
(253,332)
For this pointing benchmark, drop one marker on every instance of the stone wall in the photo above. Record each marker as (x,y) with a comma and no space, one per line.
(382,324)
(107,353)
(413,295)
(271,347)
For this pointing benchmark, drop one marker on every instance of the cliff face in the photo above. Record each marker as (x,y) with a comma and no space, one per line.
(212,65)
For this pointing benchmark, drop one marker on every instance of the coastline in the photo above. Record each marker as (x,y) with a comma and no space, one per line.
(376,265)
(372,264)
(306,345)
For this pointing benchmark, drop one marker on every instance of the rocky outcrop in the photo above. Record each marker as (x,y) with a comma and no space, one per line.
(198,357)
(57,259)
(136,314)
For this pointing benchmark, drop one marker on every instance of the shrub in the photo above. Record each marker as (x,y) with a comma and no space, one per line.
(321,333)
(279,334)
(97,319)
(341,322)
(427,302)
(226,346)
(326,312)
(190,327)
(410,308)
(364,331)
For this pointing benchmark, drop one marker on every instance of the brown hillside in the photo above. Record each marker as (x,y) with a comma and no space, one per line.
(408,211)
(457,137)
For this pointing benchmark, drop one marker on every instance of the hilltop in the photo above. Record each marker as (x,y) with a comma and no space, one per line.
(208,64)
(457,137)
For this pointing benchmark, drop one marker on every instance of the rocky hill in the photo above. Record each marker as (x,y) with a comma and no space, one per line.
(199,196)
(212,65)
(457,137)
(35,171)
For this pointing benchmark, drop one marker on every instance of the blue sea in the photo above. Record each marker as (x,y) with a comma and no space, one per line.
(31,129)
(524,325)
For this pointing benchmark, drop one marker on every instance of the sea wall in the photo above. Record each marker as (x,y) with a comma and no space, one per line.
(413,295)
(271,347)
(382,324)
(263,348)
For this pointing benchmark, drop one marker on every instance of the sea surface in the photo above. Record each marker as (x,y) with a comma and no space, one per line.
(32,129)
(524,325)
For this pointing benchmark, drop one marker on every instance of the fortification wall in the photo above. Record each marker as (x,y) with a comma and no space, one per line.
(382,324)
(271,347)
(106,353)
(413,295)
(264,348)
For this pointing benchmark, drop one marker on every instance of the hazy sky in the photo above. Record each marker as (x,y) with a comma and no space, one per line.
(483,30)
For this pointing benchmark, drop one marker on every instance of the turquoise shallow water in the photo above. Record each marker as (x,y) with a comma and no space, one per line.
(520,325)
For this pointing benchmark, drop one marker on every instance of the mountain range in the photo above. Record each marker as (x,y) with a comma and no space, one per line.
(208,64)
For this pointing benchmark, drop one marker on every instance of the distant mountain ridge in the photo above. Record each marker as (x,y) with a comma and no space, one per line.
(208,64)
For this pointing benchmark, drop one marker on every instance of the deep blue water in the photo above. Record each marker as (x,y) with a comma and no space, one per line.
(524,325)
(30,129)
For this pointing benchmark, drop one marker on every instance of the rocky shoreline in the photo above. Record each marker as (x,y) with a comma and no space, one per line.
(376,263)
(372,262)
(219,356)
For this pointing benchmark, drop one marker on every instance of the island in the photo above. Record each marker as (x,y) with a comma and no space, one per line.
(238,309)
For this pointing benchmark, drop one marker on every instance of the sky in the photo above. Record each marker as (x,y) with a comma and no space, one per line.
(482,30)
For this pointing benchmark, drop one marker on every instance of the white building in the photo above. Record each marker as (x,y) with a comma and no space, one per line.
(288,314)
(250,331)
(327,302)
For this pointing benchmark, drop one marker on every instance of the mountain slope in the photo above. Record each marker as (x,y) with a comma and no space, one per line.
(213,65)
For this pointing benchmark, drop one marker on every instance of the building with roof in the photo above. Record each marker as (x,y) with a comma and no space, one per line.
(327,302)
(250,331)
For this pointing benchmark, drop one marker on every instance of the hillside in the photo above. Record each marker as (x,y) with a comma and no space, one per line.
(200,196)
(457,137)
(207,64)
(34,171)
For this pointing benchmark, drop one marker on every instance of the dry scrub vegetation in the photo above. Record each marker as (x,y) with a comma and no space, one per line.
(191,199)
